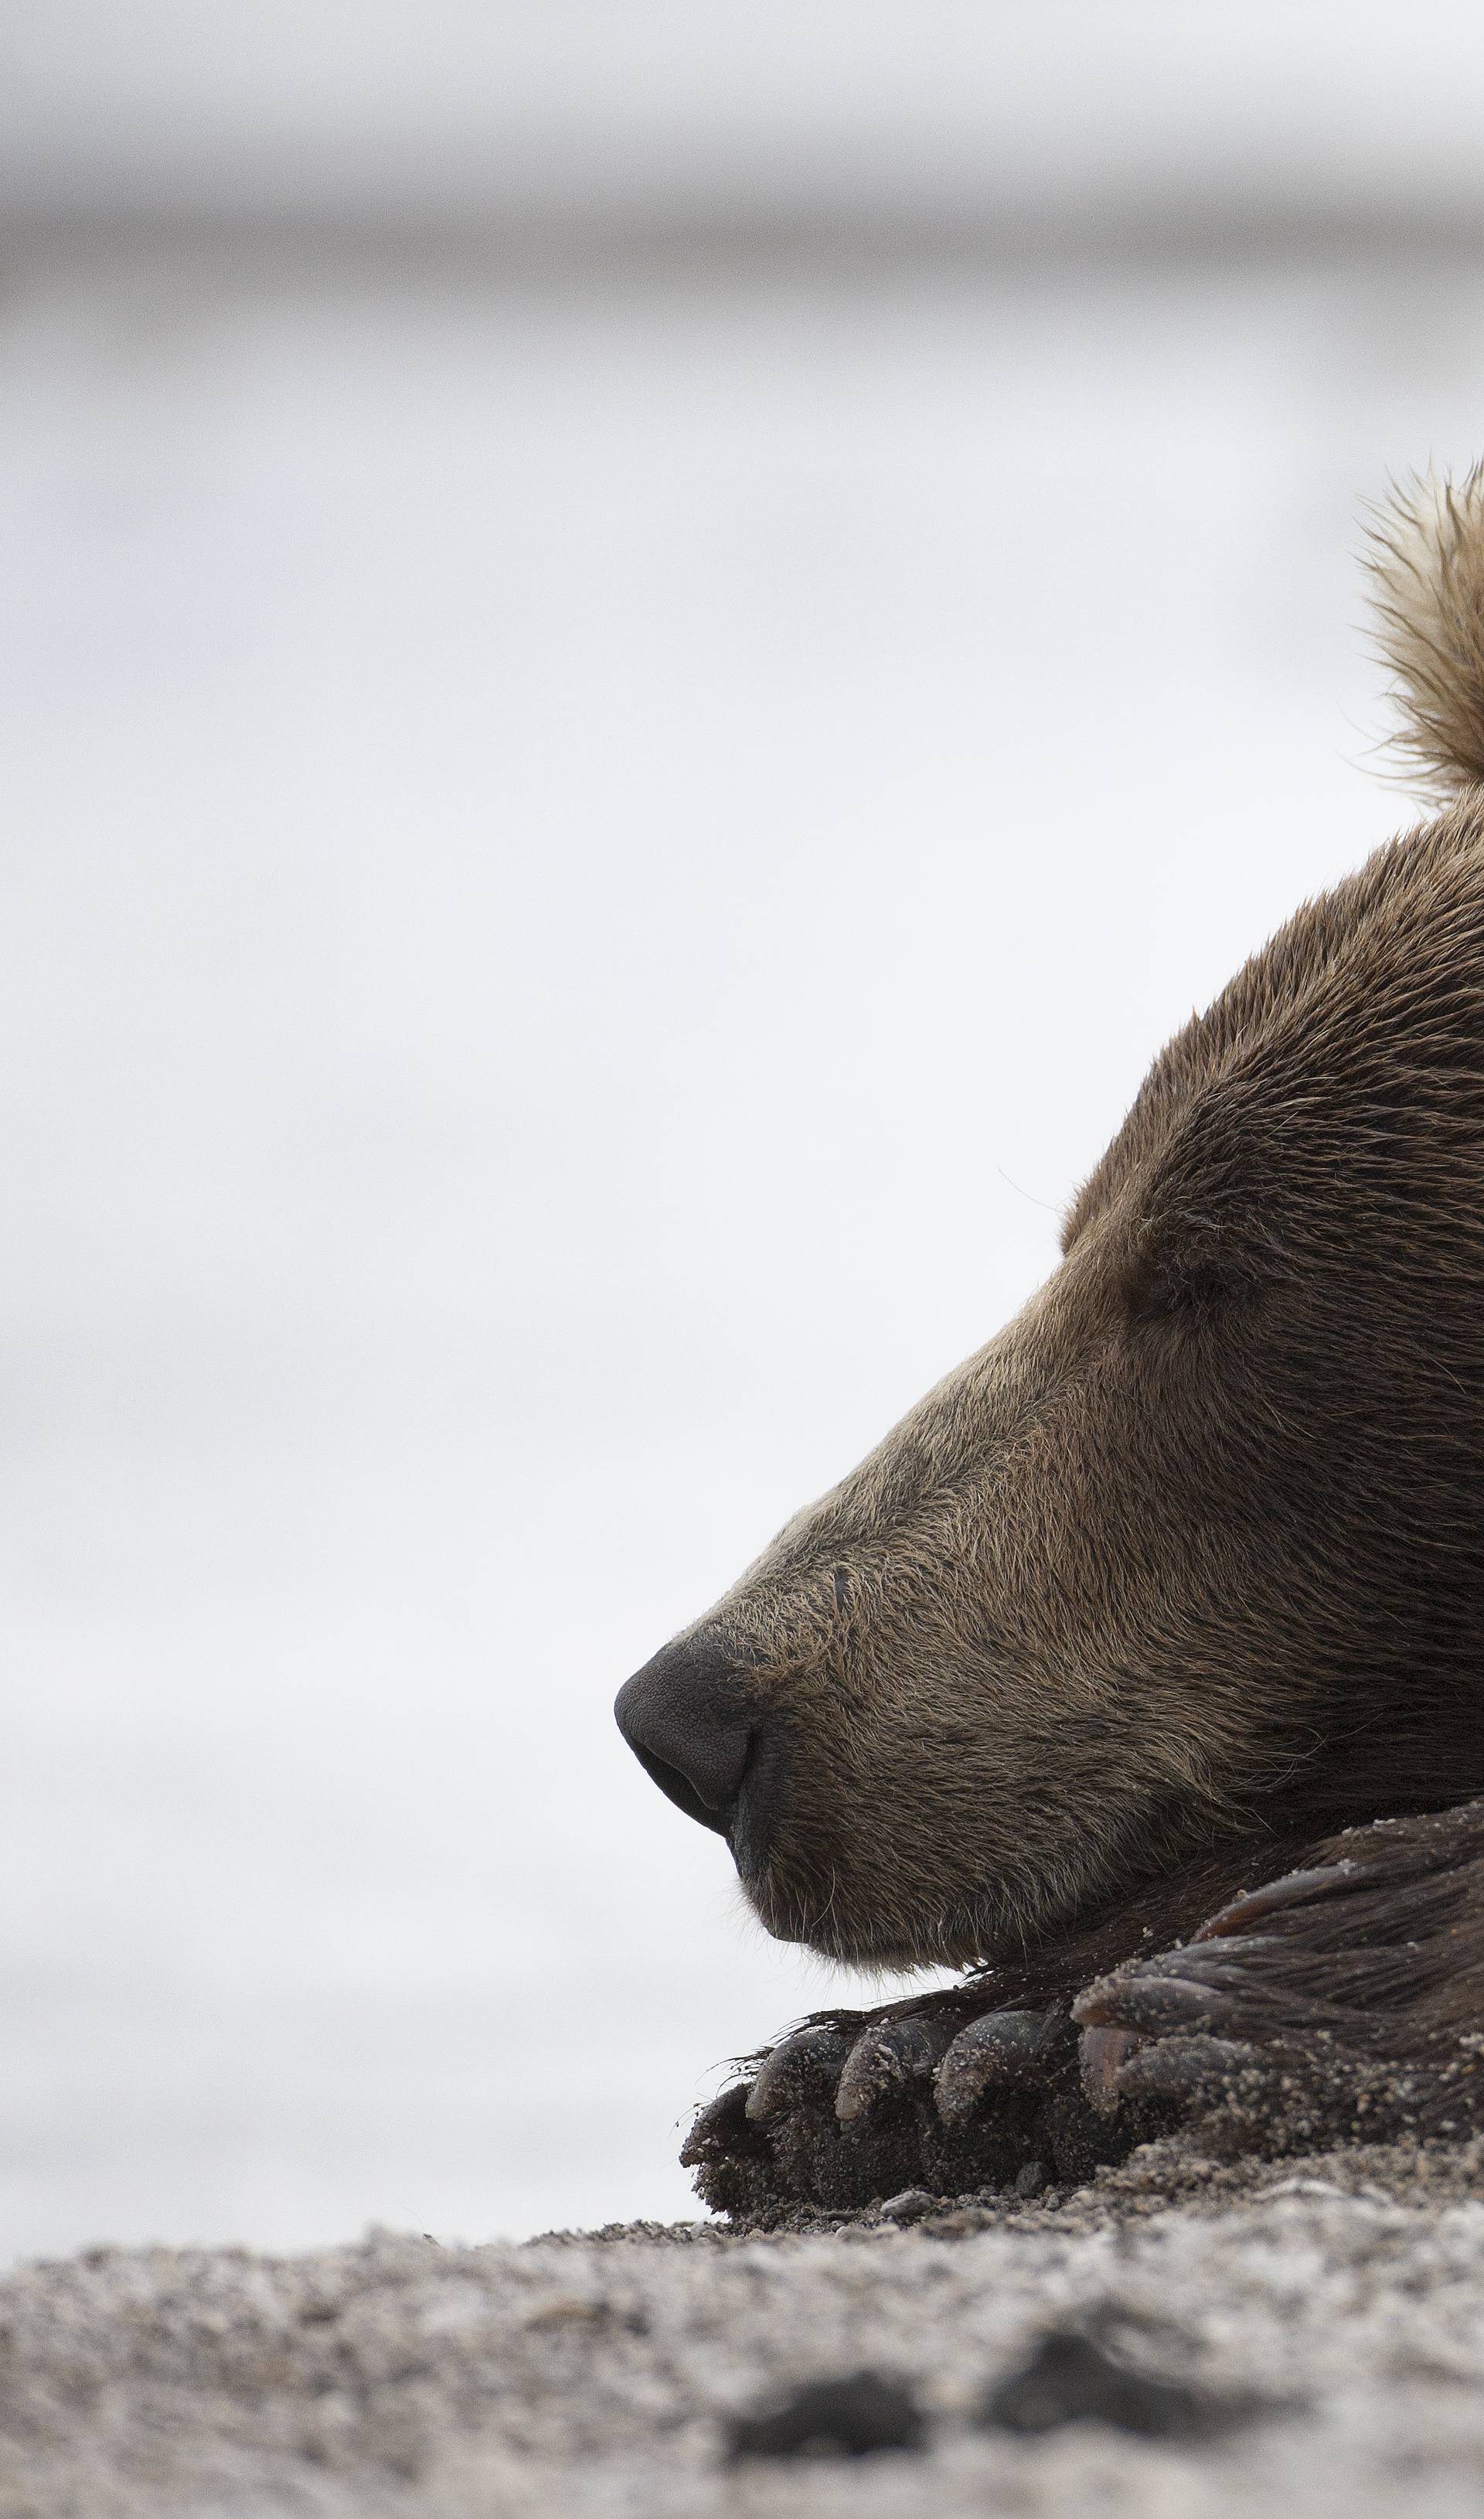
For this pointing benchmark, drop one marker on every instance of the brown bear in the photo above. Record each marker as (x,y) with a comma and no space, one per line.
(1171,1600)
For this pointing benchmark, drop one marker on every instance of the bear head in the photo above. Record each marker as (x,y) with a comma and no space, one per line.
(1194,1549)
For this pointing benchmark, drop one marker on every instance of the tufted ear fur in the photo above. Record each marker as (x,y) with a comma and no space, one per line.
(1426,564)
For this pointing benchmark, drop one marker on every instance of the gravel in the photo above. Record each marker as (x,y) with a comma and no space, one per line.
(1326,2316)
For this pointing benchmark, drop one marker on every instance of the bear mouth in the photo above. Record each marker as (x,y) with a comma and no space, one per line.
(758,1811)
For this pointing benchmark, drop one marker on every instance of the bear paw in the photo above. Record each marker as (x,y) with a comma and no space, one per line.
(1343,2002)
(935,2093)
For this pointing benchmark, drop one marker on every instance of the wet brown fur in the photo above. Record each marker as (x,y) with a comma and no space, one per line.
(1186,1569)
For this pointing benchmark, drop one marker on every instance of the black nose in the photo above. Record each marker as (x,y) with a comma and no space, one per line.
(684,1717)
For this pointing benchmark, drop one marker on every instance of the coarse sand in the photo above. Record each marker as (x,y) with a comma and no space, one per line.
(1338,2302)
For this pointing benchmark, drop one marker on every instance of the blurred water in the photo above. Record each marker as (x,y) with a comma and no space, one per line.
(746,118)
(582,873)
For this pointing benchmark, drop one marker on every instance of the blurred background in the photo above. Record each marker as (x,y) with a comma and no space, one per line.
(648,650)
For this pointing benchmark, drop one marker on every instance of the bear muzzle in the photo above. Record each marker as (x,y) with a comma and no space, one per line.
(688,1719)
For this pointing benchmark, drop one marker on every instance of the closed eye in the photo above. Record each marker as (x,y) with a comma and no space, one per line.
(1191,1289)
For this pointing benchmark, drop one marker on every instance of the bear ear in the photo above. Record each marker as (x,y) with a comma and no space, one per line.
(1425,559)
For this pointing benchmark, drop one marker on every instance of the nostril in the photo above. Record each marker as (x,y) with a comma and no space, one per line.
(683,1719)
(683,1794)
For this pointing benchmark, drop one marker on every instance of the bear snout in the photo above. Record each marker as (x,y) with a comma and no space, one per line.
(686,1718)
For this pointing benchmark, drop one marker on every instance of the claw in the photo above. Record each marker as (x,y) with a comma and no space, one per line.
(1178,2068)
(1003,2048)
(1148,2001)
(805,2066)
(1292,1890)
(1102,2054)
(886,2058)
(719,2122)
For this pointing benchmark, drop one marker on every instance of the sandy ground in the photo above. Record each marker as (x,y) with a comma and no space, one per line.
(1344,2298)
